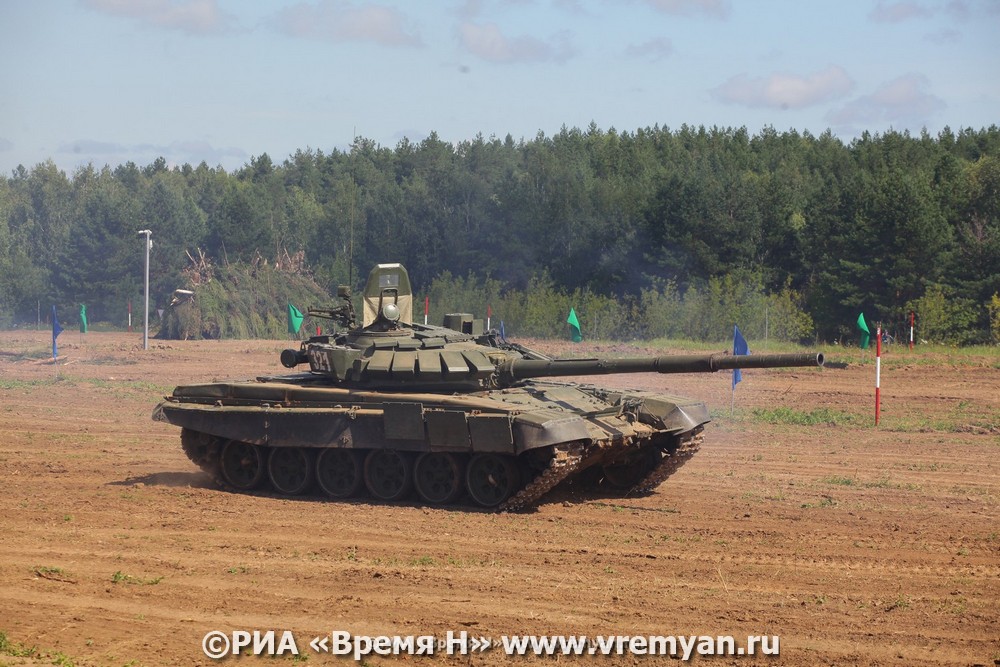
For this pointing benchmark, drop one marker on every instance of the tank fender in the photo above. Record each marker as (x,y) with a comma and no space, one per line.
(671,413)
(541,428)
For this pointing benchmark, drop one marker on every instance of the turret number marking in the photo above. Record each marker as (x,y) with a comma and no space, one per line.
(319,361)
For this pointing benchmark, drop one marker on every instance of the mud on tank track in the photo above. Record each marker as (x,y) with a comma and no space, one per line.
(853,545)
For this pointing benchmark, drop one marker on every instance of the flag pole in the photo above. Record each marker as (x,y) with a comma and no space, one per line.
(878,372)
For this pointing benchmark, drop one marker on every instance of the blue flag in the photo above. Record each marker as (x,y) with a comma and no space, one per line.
(56,330)
(503,336)
(739,347)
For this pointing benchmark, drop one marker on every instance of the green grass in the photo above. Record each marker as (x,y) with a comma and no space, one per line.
(818,416)
(136,386)
(120,577)
(423,560)
(842,481)
(16,650)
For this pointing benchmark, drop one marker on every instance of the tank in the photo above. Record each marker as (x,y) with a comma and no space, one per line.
(396,410)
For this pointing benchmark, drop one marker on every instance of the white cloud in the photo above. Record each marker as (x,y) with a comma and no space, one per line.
(193,16)
(902,100)
(714,8)
(896,12)
(177,152)
(91,147)
(655,49)
(340,21)
(785,91)
(489,43)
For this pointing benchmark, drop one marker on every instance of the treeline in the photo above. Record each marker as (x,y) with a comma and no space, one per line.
(664,231)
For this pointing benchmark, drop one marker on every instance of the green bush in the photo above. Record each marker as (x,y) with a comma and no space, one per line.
(944,318)
(701,313)
(244,302)
(994,308)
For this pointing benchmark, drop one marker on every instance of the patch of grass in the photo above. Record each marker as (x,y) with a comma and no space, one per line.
(16,650)
(53,574)
(901,602)
(16,384)
(841,481)
(827,501)
(61,660)
(423,560)
(120,577)
(791,416)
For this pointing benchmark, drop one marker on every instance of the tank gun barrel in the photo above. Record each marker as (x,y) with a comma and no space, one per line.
(521,369)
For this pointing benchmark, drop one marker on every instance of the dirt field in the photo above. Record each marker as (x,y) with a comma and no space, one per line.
(853,545)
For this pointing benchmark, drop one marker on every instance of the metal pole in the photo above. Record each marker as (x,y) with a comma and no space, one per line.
(145,331)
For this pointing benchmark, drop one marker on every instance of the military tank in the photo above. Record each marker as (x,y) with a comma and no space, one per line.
(453,413)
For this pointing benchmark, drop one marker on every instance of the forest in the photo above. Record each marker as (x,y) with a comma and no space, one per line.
(647,233)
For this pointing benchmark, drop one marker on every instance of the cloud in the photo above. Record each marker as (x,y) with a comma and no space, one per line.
(192,16)
(944,36)
(896,12)
(489,43)
(902,100)
(655,49)
(90,147)
(785,91)
(340,21)
(5,145)
(176,152)
(972,9)
(962,10)
(713,8)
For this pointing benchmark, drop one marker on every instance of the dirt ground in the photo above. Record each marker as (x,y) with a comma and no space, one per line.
(852,545)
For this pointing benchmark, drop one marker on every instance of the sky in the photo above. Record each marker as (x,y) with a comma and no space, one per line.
(104,82)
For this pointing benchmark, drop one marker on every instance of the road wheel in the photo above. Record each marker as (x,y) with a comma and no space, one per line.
(491,478)
(340,472)
(438,477)
(242,465)
(388,474)
(627,472)
(290,469)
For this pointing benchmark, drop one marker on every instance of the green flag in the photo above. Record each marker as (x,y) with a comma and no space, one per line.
(575,324)
(294,319)
(83,318)
(866,335)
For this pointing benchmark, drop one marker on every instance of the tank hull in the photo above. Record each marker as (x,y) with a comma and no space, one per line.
(502,448)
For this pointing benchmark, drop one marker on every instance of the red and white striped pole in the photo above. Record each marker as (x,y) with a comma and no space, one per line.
(911,330)
(878,372)
(427,306)
(130,315)
(489,317)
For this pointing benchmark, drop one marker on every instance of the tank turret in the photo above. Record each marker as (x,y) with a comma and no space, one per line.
(392,352)
(390,406)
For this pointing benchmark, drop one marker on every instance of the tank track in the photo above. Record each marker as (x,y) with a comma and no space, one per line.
(689,445)
(202,449)
(565,461)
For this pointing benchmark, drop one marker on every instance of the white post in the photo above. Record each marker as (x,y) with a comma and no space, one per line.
(145,331)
